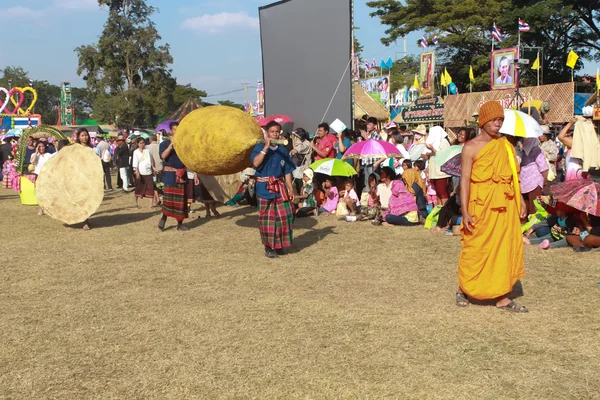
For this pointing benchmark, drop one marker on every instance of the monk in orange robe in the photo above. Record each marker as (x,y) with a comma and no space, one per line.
(491,261)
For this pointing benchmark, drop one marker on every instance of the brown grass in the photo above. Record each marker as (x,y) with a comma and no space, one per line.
(356,311)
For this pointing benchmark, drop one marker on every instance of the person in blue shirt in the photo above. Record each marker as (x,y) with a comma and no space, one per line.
(342,144)
(274,192)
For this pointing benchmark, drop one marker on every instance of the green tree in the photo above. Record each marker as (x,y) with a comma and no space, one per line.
(464,30)
(403,73)
(232,104)
(182,93)
(127,72)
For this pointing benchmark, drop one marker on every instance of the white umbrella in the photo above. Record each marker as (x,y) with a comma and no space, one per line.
(519,124)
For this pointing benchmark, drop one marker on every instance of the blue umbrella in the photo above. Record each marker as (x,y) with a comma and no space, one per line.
(17,132)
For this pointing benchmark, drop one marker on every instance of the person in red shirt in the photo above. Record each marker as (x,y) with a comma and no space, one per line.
(325,148)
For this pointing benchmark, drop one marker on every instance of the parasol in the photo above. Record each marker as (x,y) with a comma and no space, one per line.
(453,165)
(582,195)
(519,124)
(280,119)
(333,167)
(371,149)
(165,125)
(444,155)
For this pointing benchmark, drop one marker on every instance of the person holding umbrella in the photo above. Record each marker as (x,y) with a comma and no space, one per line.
(491,261)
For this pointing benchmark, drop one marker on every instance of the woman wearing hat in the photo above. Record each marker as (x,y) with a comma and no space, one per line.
(491,261)
(549,149)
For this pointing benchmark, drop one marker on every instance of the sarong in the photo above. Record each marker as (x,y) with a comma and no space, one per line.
(275,221)
(144,186)
(175,202)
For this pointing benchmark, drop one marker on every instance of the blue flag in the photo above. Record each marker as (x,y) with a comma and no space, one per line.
(390,63)
(382,65)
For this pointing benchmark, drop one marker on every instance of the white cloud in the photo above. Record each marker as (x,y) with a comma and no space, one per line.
(12,13)
(217,23)
(77,5)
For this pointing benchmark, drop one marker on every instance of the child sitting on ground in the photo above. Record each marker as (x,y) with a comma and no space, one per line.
(331,197)
(373,208)
(351,198)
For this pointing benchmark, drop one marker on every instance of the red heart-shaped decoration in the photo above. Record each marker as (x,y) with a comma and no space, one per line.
(19,102)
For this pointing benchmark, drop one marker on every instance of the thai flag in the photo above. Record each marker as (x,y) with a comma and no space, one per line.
(374,64)
(523,26)
(367,65)
(424,42)
(496,33)
(434,40)
(30,82)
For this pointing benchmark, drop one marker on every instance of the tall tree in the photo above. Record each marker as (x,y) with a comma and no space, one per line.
(403,73)
(182,93)
(464,30)
(127,71)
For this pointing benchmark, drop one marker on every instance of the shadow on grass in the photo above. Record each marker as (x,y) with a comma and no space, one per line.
(109,221)
(309,238)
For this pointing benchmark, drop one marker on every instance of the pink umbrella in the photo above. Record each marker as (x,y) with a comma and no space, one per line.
(280,119)
(372,149)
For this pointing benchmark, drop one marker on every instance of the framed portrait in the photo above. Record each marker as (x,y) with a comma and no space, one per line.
(426,74)
(503,73)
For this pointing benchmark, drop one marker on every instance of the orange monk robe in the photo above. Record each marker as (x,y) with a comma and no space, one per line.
(492,261)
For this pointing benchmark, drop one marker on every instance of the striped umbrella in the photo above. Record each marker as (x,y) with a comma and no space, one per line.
(519,124)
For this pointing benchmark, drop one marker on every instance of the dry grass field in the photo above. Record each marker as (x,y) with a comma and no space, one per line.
(355,311)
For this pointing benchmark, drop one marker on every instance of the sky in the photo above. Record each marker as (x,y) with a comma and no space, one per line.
(215,44)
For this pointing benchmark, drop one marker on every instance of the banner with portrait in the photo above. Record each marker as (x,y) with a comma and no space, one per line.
(426,74)
(503,74)
(378,89)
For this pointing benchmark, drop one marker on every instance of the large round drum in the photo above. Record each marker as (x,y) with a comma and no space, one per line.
(70,186)
(217,140)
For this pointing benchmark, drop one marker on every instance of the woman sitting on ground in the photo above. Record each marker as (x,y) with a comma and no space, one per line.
(588,239)
(373,205)
(402,207)
(416,186)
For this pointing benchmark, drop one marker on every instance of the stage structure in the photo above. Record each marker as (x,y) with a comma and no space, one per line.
(307,60)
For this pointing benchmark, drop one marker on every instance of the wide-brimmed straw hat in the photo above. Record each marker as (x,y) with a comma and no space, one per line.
(120,137)
(421,130)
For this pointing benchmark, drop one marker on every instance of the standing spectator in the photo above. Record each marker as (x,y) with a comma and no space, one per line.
(435,142)
(103,151)
(29,150)
(300,156)
(153,148)
(534,171)
(341,145)
(325,148)
(122,161)
(549,149)
(39,158)
(5,151)
(367,163)
(143,167)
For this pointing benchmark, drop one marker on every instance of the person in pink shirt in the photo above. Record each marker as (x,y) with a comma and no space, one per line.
(351,198)
(331,195)
(325,148)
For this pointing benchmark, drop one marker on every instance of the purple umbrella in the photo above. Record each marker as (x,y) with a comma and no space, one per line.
(452,166)
(372,149)
(165,125)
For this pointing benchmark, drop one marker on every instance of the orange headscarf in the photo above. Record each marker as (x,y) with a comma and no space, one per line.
(411,176)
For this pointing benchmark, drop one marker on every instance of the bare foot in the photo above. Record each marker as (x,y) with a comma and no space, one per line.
(386,224)
(86,227)
(436,229)
(528,233)
(526,241)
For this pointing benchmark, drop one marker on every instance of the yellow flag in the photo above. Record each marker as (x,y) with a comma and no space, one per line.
(536,63)
(572,59)
(471,76)
(443,80)
(416,82)
(447,76)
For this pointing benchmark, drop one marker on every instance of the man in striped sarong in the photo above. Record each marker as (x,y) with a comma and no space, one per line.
(274,191)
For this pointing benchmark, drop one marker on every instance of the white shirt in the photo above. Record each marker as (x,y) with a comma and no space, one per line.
(384,192)
(143,162)
(39,161)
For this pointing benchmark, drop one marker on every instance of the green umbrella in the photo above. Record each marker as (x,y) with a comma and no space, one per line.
(444,155)
(333,167)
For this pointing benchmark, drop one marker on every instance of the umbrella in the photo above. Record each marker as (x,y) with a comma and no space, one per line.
(17,132)
(165,125)
(333,167)
(442,156)
(280,119)
(582,195)
(416,151)
(452,166)
(519,124)
(372,149)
